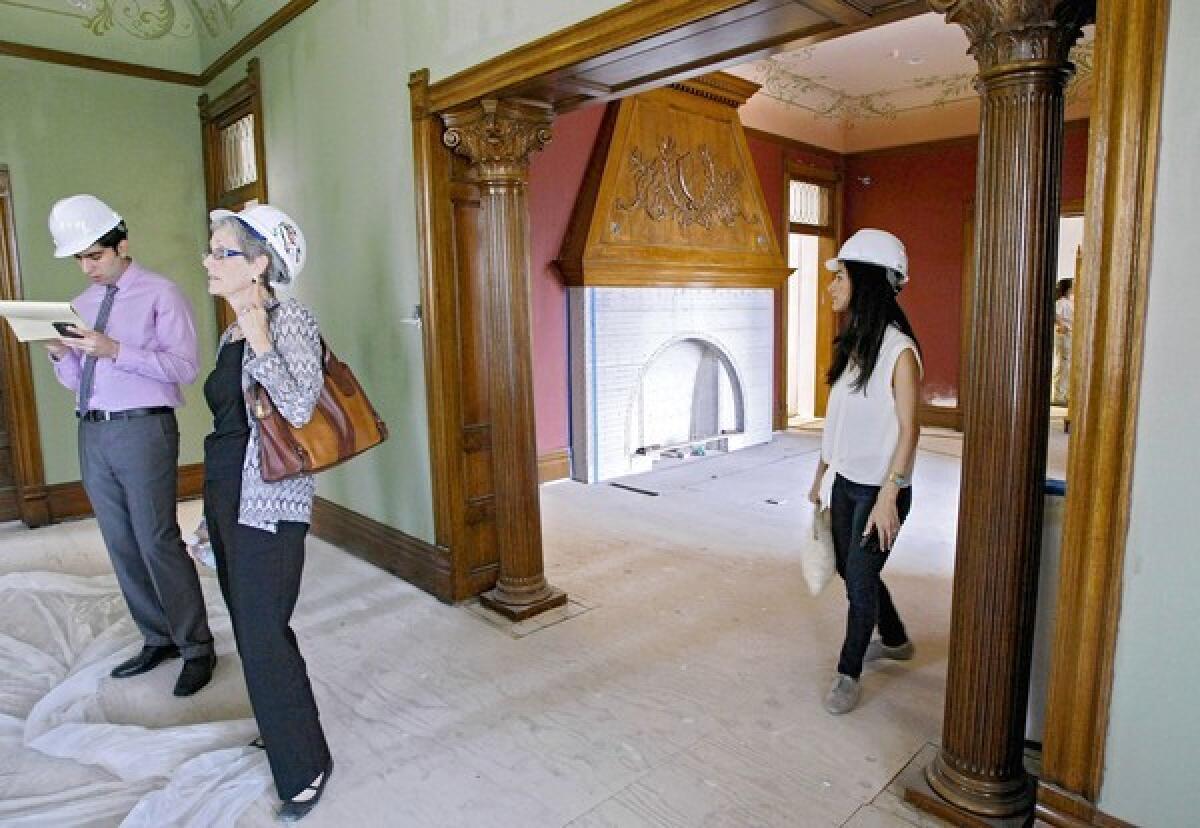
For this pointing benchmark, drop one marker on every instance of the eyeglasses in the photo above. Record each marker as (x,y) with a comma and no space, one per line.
(220,253)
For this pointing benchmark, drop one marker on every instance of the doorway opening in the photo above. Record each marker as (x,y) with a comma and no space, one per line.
(813,209)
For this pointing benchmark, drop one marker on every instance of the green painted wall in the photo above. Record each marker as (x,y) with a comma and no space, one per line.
(134,143)
(339,158)
(1153,747)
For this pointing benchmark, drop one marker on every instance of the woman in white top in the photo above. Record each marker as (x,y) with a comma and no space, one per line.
(868,446)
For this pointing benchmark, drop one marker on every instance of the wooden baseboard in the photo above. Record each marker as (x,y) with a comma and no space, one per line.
(554,465)
(1061,809)
(69,500)
(941,416)
(416,561)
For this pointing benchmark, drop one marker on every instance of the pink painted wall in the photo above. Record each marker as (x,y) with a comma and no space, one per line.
(923,195)
(555,175)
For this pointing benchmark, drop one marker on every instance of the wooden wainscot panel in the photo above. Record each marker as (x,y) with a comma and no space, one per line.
(671,197)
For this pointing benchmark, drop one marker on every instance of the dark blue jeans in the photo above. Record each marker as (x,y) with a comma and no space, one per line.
(860,562)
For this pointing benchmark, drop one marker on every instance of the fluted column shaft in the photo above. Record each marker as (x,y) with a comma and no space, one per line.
(1022,49)
(498,137)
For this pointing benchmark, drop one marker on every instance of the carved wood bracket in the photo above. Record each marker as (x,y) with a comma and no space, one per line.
(498,136)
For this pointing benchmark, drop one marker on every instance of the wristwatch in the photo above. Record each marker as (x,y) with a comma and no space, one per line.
(900,480)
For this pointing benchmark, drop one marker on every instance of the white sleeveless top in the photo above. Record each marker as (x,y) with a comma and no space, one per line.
(861,426)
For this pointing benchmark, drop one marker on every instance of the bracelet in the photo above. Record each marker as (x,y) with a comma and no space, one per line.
(900,480)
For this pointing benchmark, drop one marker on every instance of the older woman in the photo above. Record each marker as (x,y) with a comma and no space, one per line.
(868,447)
(257,528)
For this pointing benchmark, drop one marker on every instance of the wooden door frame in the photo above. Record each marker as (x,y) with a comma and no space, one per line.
(1107,352)
(33,503)
(1109,325)
(799,171)
(507,75)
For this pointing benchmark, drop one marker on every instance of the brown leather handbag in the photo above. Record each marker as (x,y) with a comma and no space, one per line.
(344,424)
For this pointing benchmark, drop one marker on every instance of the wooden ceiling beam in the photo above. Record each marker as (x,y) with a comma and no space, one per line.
(837,11)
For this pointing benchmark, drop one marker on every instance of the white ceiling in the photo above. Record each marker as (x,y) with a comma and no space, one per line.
(881,86)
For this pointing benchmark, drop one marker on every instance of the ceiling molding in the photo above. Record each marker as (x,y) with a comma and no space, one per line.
(115,67)
(269,27)
(819,83)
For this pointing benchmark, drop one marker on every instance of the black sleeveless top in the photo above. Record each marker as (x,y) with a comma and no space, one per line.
(225,448)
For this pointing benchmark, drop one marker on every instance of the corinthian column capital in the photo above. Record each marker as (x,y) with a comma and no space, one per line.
(1017,33)
(498,136)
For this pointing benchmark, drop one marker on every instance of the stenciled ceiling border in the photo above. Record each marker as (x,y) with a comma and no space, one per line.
(142,19)
(815,94)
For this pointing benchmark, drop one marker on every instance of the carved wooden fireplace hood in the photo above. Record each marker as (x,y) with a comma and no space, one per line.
(671,197)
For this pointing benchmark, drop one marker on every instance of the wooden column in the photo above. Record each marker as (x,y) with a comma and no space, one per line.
(1022,48)
(497,136)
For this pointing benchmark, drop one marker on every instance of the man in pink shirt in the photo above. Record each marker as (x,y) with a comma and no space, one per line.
(126,372)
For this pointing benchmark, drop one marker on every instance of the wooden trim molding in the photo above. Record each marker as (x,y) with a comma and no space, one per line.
(416,561)
(25,436)
(115,67)
(1108,342)
(435,256)
(554,465)
(763,26)
(1060,809)
(621,26)
(940,416)
(69,500)
(270,26)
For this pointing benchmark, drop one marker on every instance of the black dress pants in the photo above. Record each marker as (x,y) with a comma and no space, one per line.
(259,572)
(860,562)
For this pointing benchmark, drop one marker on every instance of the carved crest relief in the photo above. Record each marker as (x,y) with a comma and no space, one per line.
(686,187)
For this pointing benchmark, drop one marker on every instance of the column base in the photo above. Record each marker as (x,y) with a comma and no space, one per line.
(520,606)
(988,803)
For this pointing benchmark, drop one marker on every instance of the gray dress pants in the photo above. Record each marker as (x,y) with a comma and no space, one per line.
(128,469)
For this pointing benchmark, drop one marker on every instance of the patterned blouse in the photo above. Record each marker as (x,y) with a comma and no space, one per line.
(293,377)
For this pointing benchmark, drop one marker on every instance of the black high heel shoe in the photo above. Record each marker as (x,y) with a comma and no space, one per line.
(293,810)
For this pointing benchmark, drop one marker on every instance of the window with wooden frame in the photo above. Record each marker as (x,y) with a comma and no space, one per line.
(235,169)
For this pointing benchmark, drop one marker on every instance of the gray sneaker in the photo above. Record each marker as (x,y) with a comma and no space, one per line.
(843,694)
(877,650)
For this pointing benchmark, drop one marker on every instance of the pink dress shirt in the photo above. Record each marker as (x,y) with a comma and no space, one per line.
(152,320)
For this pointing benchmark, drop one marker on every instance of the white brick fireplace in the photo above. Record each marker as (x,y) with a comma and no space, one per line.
(662,369)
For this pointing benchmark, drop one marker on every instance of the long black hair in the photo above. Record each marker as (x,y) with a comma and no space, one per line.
(873,308)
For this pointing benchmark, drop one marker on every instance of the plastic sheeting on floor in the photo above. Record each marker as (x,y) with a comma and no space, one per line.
(78,748)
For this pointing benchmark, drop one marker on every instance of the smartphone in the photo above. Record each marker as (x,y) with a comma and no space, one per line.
(64,329)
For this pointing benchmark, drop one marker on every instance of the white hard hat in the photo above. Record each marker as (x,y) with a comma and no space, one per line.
(277,229)
(77,222)
(877,247)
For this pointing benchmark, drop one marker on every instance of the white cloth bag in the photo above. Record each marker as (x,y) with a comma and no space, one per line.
(816,557)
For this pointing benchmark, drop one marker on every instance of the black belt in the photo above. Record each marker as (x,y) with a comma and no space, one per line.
(128,414)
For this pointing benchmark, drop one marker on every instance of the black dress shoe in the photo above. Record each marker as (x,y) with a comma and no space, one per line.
(146,660)
(196,673)
(292,809)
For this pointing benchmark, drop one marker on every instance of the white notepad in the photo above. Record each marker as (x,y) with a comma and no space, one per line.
(34,321)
